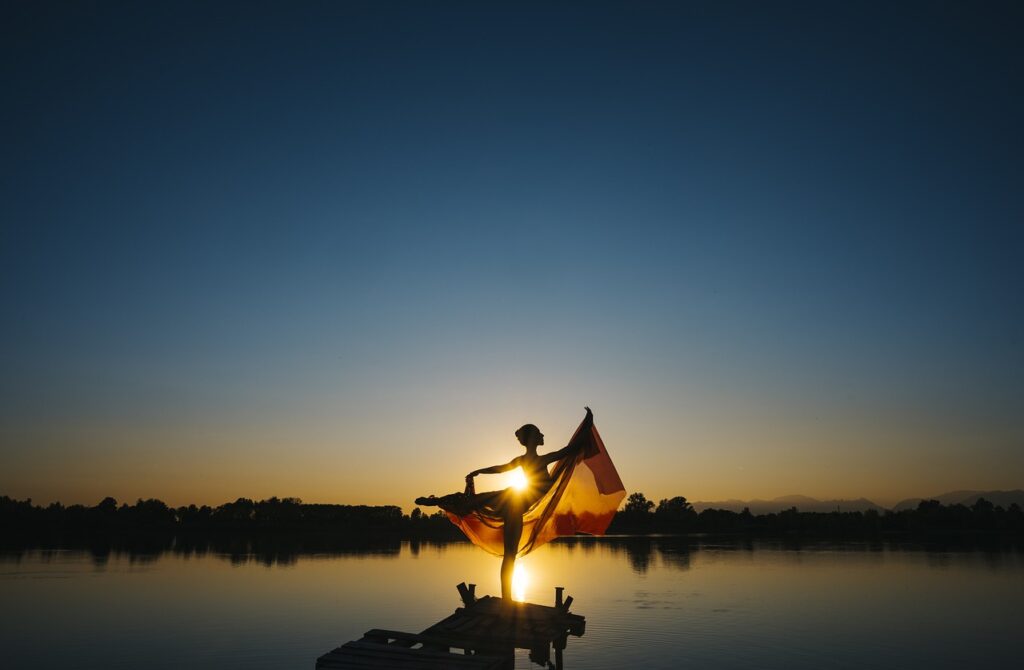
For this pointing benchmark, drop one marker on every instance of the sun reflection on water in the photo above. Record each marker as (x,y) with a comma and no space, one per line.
(520,580)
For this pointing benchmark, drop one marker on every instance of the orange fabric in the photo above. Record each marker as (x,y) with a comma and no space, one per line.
(583,498)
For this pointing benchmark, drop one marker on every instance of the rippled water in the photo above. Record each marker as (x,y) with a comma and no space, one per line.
(653,603)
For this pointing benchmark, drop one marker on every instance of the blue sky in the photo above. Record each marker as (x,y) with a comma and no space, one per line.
(267,250)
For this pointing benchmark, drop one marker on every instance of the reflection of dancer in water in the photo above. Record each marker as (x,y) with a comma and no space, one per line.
(512,503)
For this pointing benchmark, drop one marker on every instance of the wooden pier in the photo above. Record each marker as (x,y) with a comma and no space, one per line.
(481,635)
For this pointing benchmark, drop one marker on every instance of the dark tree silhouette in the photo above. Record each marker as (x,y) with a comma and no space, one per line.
(278,527)
(675,508)
(638,503)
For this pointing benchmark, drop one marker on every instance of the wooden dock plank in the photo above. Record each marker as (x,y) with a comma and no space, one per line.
(359,655)
(401,653)
(518,623)
(486,630)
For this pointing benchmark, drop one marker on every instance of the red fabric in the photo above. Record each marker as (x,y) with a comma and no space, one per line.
(583,498)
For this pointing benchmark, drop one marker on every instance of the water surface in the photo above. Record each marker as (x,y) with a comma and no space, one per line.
(655,603)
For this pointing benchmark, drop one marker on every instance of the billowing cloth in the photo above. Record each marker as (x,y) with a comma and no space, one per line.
(584,493)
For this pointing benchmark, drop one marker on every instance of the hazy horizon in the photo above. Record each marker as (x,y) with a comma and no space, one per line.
(408,506)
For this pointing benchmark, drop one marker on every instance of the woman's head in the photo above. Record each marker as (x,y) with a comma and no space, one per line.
(530,436)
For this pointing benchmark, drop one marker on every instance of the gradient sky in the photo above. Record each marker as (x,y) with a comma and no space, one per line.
(341,251)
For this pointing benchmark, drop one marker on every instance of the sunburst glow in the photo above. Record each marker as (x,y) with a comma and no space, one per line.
(519,480)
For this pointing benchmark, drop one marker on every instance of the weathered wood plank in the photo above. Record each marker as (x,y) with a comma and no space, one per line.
(486,629)
(496,617)
(371,655)
(440,639)
(365,648)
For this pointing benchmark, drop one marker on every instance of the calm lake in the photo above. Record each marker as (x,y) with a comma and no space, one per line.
(649,602)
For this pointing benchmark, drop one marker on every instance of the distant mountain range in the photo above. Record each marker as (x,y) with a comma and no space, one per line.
(807,504)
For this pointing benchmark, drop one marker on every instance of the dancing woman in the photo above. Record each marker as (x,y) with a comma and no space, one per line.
(510,504)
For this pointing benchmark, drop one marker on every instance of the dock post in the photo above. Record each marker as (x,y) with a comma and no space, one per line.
(466,593)
(558,596)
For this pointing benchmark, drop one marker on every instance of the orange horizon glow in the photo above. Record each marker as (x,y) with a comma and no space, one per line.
(369,461)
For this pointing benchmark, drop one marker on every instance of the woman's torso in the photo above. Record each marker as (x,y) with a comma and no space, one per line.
(536,471)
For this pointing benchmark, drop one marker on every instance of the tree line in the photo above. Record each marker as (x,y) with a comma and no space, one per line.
(22,522)
(21,518)
(677,516)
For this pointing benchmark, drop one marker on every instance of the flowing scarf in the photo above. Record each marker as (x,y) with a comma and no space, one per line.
(583,496)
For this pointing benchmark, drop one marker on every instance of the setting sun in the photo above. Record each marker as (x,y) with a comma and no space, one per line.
(519,480)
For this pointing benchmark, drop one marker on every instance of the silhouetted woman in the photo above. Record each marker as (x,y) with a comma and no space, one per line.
(511,503)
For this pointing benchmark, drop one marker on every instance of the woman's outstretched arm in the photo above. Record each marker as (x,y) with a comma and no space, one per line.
(588,421)
(495,469)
